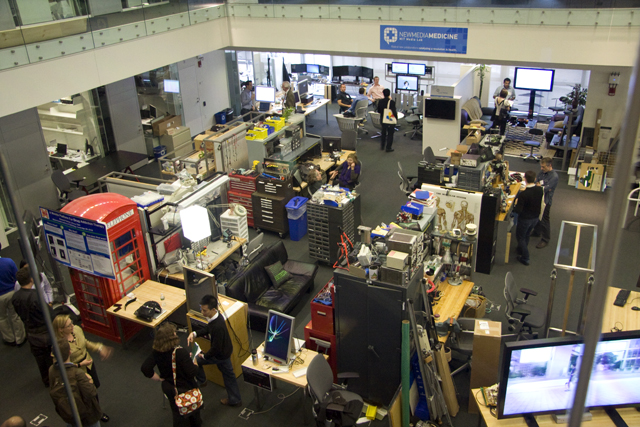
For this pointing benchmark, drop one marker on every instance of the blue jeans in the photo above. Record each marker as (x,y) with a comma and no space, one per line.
(523,230)
(228,376)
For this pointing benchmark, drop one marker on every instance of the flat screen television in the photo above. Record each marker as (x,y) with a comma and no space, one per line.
(540,376)
(354,71)
(367,72)
(278,341)
(417,69)
(298,68)
(324,70)
(399,68)
(407,82)
(313,69)
(303,87)
(533,79)
(435,108)
(171,86)
(265,94)
(340,70)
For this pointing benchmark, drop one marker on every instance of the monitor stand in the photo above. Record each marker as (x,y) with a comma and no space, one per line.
(615,417)
(530,420)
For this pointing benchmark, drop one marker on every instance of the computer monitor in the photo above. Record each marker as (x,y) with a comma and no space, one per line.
(153,111)
(436,108)
(407,82)
(171,86)
(303,87)
(354,70)
(88,148)
(417,69)
(298,68)
(324,70)
(340,70)
(265,94)
(367,72)
(198,283)
(61,149)
(533,79)
(313,69)
(399,68)
(540,376)
(296,96)
(278,342)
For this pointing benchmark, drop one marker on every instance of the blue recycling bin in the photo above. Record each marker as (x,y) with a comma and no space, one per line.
(297,214)
(159,151)
(221,117)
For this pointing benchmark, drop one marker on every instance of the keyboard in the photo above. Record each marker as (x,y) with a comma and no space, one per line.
(622,297)
(299,373)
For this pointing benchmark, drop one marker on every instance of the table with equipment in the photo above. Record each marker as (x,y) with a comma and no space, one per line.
(506,215)
(623,318)
(599,417)
(325,163)
(170,299)
(451,302)
(217,252)
(119,161)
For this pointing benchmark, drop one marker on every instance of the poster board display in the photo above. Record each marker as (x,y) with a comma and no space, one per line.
(78,242)
(455,208)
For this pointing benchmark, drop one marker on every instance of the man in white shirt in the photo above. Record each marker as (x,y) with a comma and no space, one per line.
(375,91)
(507,86)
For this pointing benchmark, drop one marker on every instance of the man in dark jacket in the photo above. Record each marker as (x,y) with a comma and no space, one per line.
(220,351)
(528,208)
(25,302)
(386,141)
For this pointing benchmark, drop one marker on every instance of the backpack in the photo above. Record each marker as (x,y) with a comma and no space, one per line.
(504,111)
(61,402)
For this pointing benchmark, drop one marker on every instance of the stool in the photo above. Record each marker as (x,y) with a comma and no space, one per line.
(533,144)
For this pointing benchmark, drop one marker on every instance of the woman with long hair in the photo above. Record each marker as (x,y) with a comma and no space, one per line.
(164,344)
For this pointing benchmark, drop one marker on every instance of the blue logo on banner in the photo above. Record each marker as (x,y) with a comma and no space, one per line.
(424,39)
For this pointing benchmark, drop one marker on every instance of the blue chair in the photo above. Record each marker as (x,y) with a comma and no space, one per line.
(533,144)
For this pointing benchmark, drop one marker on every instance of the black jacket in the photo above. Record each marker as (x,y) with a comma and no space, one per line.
(185,370)
(25,302)
(529,202)
(382,105)
(221,344)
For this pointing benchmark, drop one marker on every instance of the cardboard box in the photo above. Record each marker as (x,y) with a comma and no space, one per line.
(486,355)
(591,177)
(455,157)
(199,139)
(462,148)
(161,126)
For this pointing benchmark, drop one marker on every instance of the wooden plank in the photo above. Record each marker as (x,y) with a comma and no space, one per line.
(448,389)
(53,30)
(11,38)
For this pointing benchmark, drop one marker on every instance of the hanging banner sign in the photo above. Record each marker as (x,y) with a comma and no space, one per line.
(78,242)
(424,39)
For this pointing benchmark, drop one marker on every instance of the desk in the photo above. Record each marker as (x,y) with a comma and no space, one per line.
(629,319)
(264,367)
(506,216)
(600,419)
(174,298)
(320,103)
(325,163)
(451,302)
(223,253)
(119,161)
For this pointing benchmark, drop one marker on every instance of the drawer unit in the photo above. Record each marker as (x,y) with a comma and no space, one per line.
(275,187)
(243,199)
(322,314)
(269,212)
(473,179)
(430,173)
(324,223)
(243,183)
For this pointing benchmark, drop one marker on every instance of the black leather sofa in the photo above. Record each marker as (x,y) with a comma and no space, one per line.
(252,285)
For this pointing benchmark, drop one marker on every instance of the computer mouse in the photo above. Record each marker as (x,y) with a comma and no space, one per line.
(635,308)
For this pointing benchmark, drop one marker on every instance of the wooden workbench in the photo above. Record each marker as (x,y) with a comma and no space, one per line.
(505,216)
(621,317)
(451,302)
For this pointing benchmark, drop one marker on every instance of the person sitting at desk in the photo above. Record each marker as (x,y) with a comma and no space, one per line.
(288,99)
(344,99)
(315,180)
(359,97)
(375,91)
(349,172)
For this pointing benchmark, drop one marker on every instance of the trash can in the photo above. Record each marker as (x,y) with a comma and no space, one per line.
(297,214)
(228,112)
(221,117)
(159,151)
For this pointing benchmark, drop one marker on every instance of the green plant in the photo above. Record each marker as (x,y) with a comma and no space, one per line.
(578,93)
(286,113)
(482,71)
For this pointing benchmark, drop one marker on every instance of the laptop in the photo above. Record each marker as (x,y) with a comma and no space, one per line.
(61,150)
(264,106)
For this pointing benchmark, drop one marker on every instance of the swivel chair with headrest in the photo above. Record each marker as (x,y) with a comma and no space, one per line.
(406,182)
(361,114)
(520,313)
(461,341)
(332,404)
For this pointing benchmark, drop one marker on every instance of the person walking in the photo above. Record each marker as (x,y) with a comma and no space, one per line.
(220,352)
(386,140)
(11,327)
(528,208)
(547,179)
(165,343)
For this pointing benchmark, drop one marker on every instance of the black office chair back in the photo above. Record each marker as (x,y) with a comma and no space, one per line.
(61,181)
(319,378)
(429,157)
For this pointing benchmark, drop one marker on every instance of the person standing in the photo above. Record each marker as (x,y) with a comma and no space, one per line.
(289,101)
(44,284)
(386,140)
(220,351)
(11,327)
(548,179)
(246,98)
(343,98)
(501,112)
(528,208)
(165,343)
(376,92)
(507,86)
(25,302)
(82,387)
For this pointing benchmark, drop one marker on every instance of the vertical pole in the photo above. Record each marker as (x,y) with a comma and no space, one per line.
(552,291)
(610,245)
(405,367)
(33,267)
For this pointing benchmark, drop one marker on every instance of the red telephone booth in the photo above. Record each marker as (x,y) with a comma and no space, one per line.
(95,294)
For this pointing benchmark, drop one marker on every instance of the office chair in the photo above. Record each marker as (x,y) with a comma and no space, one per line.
(361,114)
(63,184)
(405,181)
(416,122)
(533,144)
(332,404)
(375,121)
(346,123)
(461,341)
(530,316)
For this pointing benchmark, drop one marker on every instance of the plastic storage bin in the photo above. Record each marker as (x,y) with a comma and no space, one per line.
(159,151)
(297,214)
(221,117)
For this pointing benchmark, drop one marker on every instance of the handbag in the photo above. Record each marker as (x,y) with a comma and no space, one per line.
(387,116)
(148,311)
(189,401)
